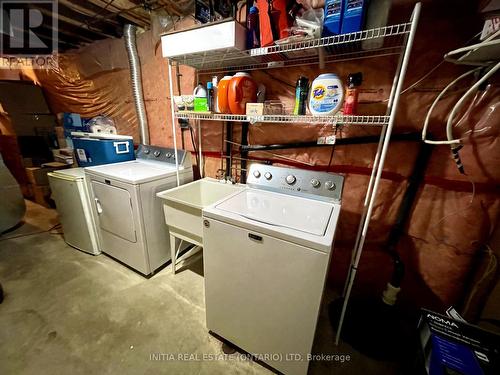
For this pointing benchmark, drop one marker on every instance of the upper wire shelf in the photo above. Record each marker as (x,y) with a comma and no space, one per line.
(387,40)
(369,120)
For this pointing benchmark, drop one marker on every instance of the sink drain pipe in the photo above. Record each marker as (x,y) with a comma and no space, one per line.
(136,79)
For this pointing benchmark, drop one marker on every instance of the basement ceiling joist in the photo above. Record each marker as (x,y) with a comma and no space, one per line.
(82,22)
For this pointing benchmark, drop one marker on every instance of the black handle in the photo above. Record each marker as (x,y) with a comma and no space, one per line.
(254,237)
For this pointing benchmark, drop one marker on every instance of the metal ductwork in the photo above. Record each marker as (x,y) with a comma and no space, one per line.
(135,76)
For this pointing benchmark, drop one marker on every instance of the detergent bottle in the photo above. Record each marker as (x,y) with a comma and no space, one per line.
(200,98)
(326,95)
(242,90)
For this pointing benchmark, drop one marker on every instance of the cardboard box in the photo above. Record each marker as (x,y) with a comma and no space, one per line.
(54,165)
(62,142)
(32,124)
(41,195)
(266,108)
(449,346)
(22,97)
(59,131)
(64,155)
(28,162)
(38,175)
(27,191)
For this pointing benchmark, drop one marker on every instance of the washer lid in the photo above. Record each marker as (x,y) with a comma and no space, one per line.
(301,214)
(70,173)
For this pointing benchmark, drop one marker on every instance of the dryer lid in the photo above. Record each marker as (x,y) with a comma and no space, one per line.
(280,210)
(133,171)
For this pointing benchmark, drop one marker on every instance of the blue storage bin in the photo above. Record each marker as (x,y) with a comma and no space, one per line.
(96,149)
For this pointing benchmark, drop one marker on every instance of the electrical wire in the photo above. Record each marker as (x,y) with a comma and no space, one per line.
(421,79)
(191,131)
(430,71)
(56,226)
(331,154)
(491,267)
(467,207)
(433,105)
(487,42)
(98,13)
(451,117)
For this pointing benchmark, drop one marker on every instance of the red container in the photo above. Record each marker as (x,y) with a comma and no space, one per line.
(273,21)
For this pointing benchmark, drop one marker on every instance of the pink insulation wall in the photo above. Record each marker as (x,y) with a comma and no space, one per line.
(447,229)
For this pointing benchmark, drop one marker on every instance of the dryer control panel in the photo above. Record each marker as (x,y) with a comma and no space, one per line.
(163,154)
(301,182)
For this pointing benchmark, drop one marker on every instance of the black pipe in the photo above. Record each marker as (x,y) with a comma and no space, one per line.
(339,142)
(244,153)
(229,149)
(414,182)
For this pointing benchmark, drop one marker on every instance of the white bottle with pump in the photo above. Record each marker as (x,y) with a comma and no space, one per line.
(215,84)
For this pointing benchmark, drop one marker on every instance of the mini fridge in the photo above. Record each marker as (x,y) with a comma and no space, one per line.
(70,192)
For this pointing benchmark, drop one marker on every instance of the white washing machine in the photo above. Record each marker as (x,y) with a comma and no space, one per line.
(130,222)
(266,251)
(71,194)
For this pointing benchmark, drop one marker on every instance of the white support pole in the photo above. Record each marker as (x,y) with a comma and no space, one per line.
(172,108)
(385,147)
(375,168)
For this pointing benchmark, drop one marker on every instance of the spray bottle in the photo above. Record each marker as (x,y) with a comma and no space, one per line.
(351,96)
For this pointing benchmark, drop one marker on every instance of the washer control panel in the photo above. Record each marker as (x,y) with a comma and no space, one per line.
(296,181)
(163,154)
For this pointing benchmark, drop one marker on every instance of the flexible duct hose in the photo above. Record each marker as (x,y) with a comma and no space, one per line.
(135,77)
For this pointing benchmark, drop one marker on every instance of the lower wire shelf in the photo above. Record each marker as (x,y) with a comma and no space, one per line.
(368,120)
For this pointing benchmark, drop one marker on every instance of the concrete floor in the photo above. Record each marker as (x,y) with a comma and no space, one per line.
(67,312)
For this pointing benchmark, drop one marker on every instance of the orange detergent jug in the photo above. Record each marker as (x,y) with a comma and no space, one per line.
(222,92)
(242,90)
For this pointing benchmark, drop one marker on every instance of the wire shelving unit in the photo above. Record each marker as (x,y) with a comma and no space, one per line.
(288,119)
(391,40)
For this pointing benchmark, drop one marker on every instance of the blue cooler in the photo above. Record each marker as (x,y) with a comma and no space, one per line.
(96,149)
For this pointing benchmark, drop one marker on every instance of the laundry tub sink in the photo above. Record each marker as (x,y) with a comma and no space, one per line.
(182,208)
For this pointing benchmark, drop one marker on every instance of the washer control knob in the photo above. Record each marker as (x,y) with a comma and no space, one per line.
(290,179)
(330,185)
(156,153)
(146,151)
(268,175)
(315,182)
(256,174)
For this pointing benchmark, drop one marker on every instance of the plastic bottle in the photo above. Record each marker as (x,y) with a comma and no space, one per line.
(326,95)
(351,96)
(301,92)
(210,97)
(333,17)
(376,16)
(242,90)
(200,98)
(222,94)
(354,15)
(215,86)
(253,31)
